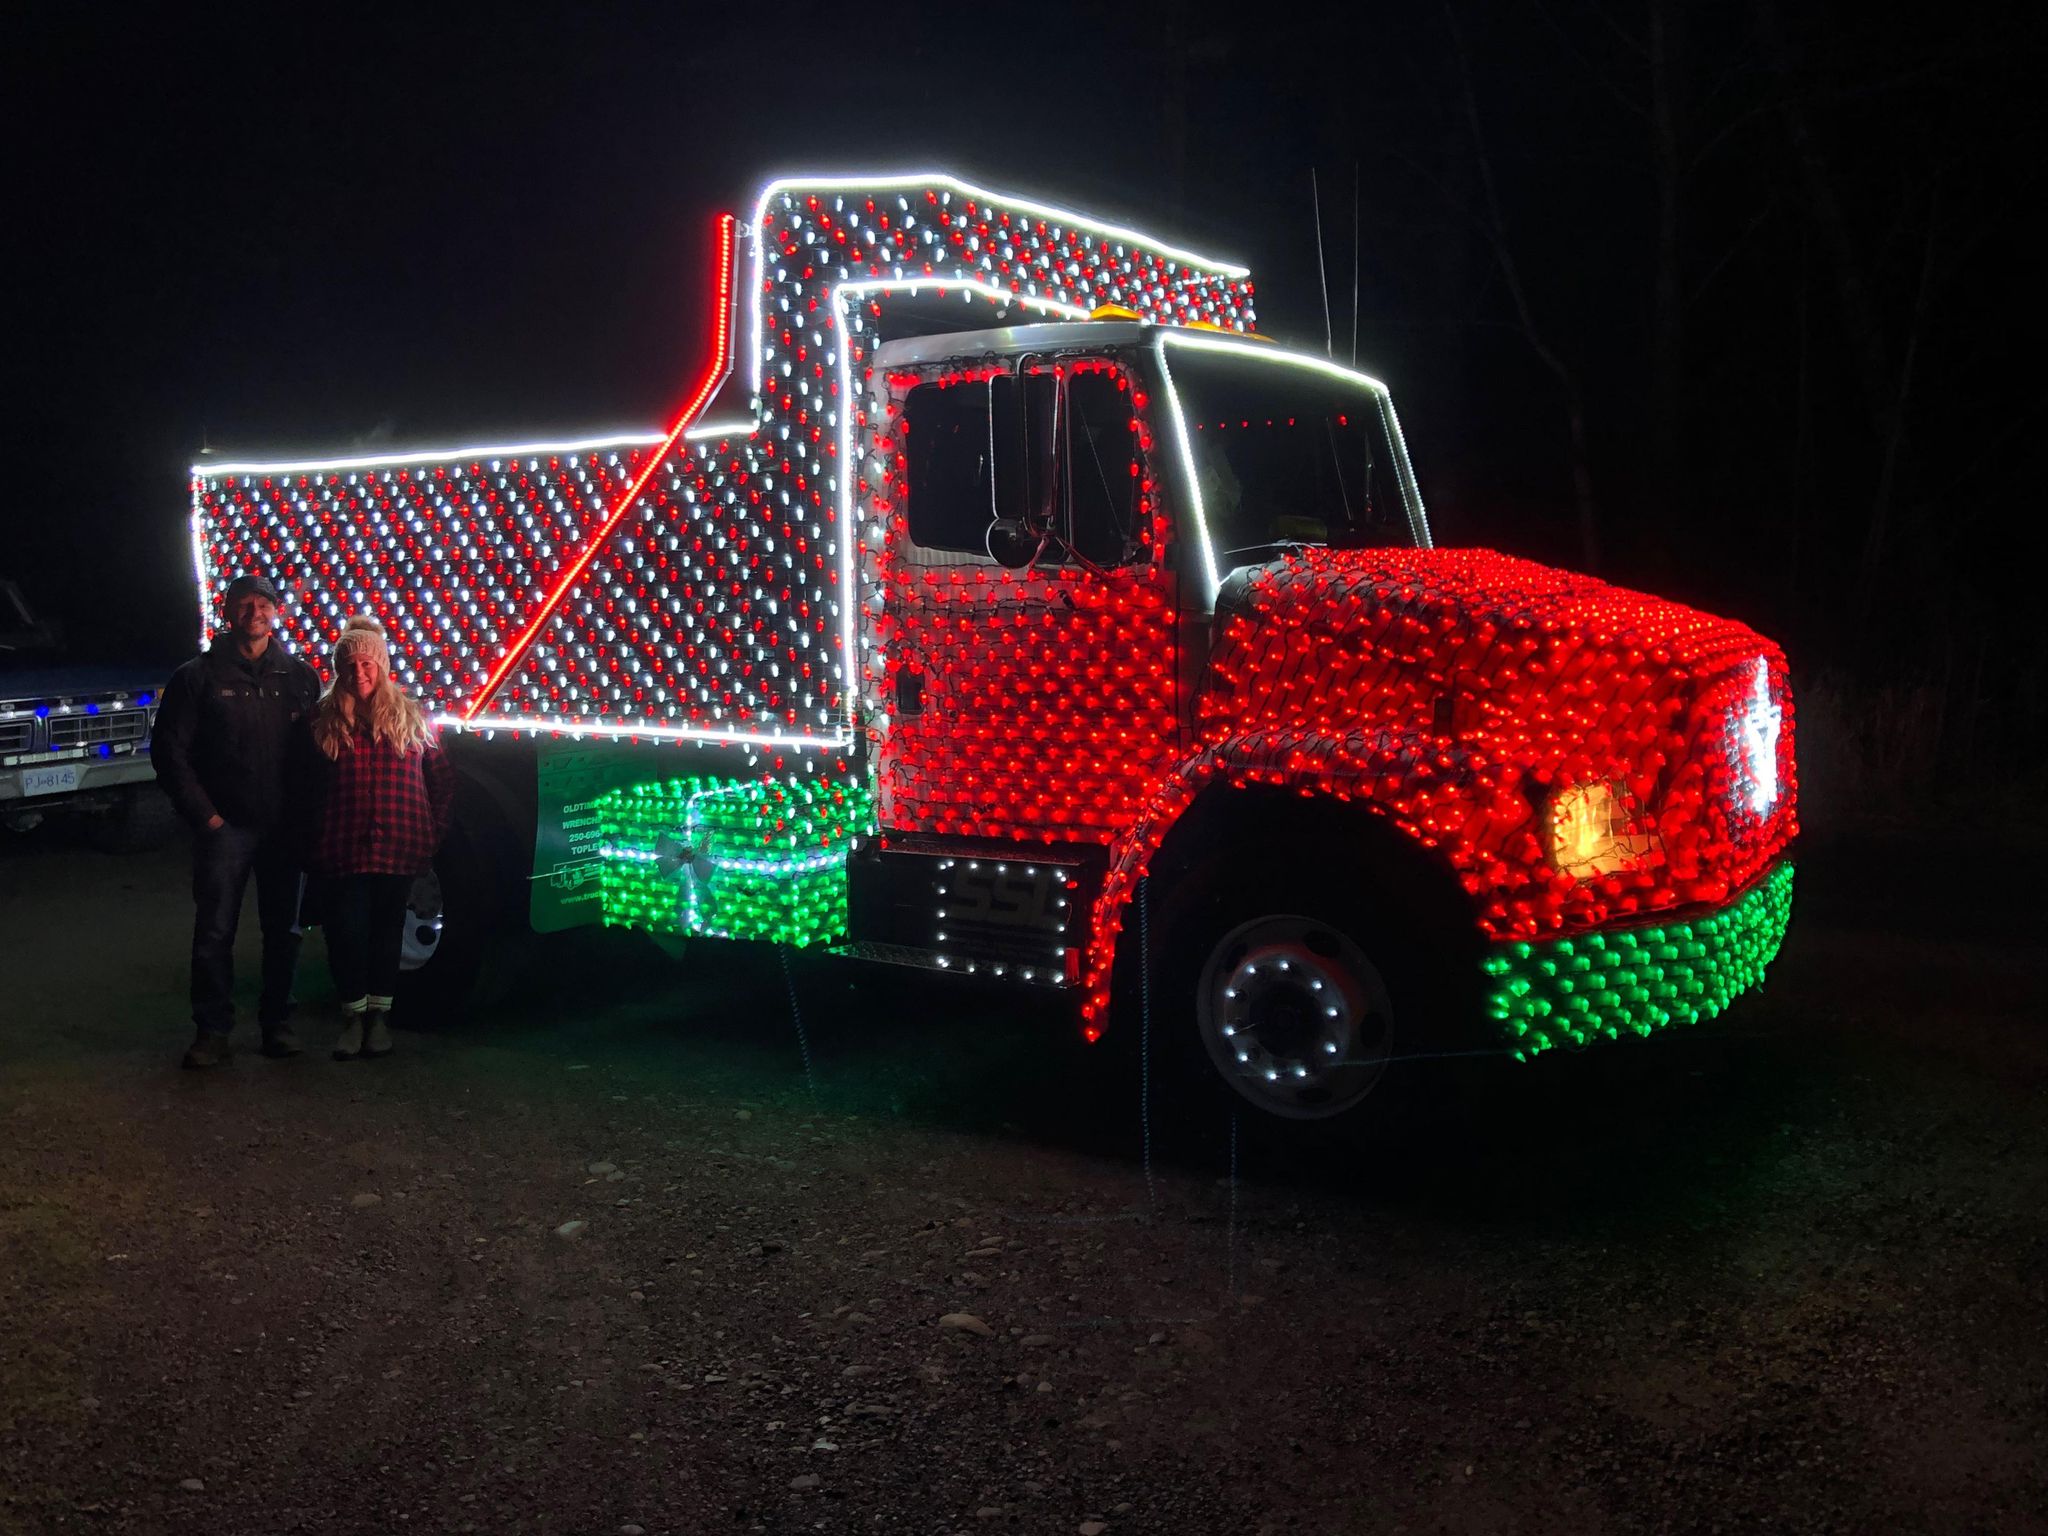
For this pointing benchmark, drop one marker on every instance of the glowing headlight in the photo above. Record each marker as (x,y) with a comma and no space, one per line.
(1590,833)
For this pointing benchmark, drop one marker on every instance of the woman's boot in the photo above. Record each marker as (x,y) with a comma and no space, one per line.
(377,1030)
(350,1045)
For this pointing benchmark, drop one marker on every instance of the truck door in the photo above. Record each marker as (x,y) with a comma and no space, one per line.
(1028,676)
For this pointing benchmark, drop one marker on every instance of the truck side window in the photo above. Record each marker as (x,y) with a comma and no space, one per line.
(1101,467)
(978,450)
(1056,454)
(950,465)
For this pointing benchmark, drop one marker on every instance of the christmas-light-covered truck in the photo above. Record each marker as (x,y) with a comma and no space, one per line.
(1001,603)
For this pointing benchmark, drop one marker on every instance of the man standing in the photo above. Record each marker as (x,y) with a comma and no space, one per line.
(222,742)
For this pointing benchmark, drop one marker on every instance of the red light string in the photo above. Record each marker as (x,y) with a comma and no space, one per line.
(714,375)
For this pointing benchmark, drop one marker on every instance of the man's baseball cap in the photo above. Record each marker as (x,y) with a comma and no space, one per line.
(249,581)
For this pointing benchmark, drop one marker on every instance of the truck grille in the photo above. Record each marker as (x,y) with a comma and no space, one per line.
(15,735)
(112,728)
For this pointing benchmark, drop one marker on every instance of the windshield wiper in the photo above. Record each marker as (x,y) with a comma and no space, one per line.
(1279,544)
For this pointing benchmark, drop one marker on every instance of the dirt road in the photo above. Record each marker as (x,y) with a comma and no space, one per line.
(609,1260)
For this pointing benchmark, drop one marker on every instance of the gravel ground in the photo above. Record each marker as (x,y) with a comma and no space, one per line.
(606,1259)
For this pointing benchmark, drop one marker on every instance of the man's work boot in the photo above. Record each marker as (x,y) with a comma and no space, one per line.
(209,1050)
(350,1045)
(278,1040)
(377,1035)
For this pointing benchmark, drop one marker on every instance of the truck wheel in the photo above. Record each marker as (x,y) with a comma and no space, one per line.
(1295,1016)
(424,913)
(1307,1013)
(451,914)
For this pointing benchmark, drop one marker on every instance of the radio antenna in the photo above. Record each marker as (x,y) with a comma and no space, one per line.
(1354,264)
(1322,272)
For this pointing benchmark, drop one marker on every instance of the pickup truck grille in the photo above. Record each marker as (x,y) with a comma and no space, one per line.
(111,728)
(15,735)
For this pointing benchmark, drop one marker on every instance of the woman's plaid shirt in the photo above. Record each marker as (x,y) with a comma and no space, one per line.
(382,811)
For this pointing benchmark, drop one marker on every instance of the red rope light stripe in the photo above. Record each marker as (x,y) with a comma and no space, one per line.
(721,365)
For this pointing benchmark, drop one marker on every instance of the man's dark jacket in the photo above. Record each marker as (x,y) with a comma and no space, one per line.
(223,739)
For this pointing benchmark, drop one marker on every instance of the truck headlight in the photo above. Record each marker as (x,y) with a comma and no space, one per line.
(1592,832)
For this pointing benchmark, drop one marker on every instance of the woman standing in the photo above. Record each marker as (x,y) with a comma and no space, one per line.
(382,810)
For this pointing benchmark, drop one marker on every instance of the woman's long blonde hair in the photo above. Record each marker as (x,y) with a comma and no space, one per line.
(392,714)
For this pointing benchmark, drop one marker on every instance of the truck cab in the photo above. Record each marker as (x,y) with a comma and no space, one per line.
(1151,614)
(1062,508)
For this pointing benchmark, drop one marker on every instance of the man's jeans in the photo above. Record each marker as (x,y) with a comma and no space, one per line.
(222,863)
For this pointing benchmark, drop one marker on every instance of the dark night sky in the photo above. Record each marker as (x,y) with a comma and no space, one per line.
(307,228)
(298,231)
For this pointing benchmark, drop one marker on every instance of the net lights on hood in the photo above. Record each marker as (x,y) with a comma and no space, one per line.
(1581,756)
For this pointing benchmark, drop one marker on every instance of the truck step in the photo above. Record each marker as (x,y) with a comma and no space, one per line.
(955,965)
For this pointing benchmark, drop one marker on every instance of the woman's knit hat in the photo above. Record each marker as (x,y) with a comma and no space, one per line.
(362,632)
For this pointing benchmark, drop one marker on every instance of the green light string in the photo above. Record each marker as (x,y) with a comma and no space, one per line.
(1569,992)
(732,858)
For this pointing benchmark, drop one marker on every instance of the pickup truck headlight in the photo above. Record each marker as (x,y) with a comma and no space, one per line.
(1592,831)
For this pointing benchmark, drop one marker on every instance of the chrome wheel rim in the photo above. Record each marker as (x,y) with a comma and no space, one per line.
(1295,1016)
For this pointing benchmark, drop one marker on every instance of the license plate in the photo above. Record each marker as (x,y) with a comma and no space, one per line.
(54,780)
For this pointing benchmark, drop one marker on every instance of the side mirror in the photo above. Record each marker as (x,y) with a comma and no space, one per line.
(1011,544)
(1023,415)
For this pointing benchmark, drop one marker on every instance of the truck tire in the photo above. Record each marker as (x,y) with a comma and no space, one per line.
(1303,1013)
(1293,1012)
(455,911)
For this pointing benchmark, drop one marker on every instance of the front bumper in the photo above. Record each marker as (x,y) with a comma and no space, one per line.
(94,777)
(1569,992)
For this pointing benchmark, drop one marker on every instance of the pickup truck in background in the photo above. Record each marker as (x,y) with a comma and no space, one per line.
(74,736)
(1003,604)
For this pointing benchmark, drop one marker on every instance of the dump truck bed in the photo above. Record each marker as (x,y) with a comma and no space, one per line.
(697,583)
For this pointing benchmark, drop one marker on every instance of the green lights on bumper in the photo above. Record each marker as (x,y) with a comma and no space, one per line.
(1568,992)
(731,858)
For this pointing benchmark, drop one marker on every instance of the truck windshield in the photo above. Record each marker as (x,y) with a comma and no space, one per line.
(20,632)
(1284,454)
